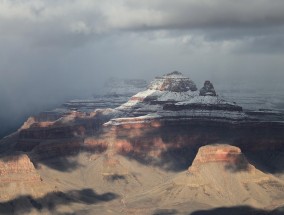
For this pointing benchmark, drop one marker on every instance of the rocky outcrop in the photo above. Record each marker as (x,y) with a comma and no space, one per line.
(74,124)
(27,124)
(227,154)
(173,142)
(218,179)
(174,96)
(17,168)
(203,103)
(155,122)
(158,130)
(206,101)
(207,89)
(170,88)
(65,136)
(173,82)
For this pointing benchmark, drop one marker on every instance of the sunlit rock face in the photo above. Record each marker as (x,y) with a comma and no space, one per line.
(172,144)
(219,175)
(19,177)
(17,168)
(217,153)
(221,153)
(163,136)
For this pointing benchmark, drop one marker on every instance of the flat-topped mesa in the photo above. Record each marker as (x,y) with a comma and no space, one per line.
(174,82)
(174,96)
(229,155)
(170,88)
(207,89)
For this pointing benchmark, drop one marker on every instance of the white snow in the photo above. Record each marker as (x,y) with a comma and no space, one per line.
(205,114)
(145,93)
(180,115)
(132,120)
(148,104)
(210,100)
(172,79)
(175,96)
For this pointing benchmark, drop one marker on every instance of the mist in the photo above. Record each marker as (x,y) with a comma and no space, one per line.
(53,51)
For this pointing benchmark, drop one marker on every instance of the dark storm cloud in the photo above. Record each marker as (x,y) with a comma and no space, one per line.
(184,14)
(54,22)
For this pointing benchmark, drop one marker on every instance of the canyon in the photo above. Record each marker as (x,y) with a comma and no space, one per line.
(167,149)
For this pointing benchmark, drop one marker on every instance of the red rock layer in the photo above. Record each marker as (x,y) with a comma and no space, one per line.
(217,153)
(18,168)
(229,155)
(94,144)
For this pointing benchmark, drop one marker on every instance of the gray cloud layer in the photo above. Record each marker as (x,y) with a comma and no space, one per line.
(53,50)
(73,22)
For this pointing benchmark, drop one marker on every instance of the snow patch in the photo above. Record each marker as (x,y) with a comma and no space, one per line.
(210,100)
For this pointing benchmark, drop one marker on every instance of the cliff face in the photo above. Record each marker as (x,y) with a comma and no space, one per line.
(219,176)
(164,121)
(18,177)
(226,154)
(17,168)
(175,96)
(168,120)
(173,144)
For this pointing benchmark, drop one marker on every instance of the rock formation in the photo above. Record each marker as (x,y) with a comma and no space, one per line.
(142,150)
(17,168)
(173,82)
(175,96)
(213,183)
(18,176)
(219,153)
(207,89)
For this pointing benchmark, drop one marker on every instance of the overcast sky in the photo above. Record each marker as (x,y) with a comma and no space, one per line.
(53,50)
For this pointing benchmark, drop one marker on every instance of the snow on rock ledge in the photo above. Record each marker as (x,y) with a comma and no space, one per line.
(171,88)
(204,103)
(175,96)
(174,82)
